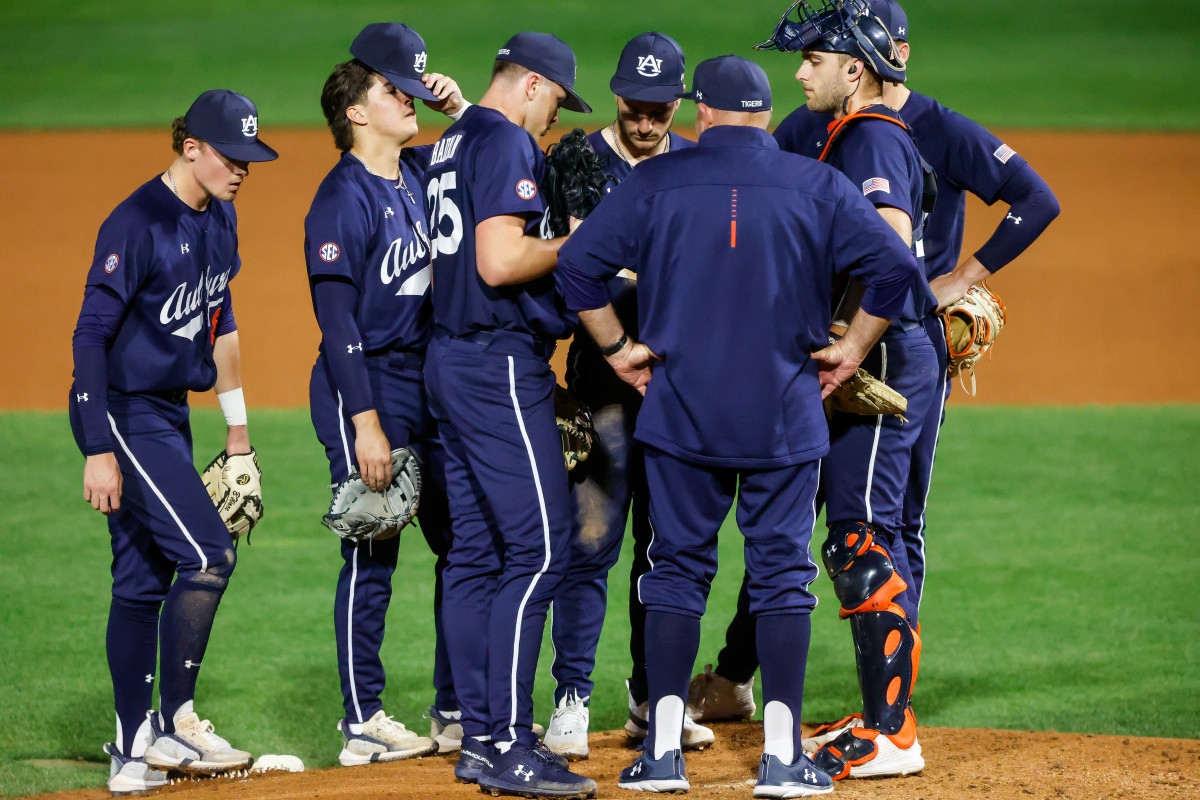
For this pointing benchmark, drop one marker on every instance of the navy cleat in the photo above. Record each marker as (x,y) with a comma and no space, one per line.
(666,775)
(529,769)
(473,758)
(799,779)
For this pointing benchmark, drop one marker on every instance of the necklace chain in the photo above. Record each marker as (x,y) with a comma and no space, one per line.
(171,181)
(400,184)
(621,150)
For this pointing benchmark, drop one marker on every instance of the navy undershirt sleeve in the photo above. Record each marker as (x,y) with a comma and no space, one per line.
(1033,207)
(336,301)
(99,319)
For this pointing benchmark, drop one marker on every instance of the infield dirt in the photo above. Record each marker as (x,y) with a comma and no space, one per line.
(1086,322)
(960,763)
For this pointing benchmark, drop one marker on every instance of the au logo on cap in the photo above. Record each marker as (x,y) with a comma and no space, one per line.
(649,66)
(250,125)
(419,62)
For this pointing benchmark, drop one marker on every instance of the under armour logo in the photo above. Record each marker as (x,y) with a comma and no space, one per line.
(419,62)
(184,247)
(149,678)
(649,67)
(809,775)
(903,31)
(637,769)
(250,125)
(81,397)
(699,95)
(189,664)
(350,348)
(523,772)
(388,212)
(1017,220)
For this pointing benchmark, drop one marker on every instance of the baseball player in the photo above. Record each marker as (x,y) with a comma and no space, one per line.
(497,317)
(967,158)
(368,255)
(157,322)
(737,247)
(648,80)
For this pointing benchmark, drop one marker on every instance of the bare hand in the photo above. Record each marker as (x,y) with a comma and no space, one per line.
(102,483)
(634,364)
(449,97)
(237,441)
(837,362)
(573,222)
(948,289)
(372,451)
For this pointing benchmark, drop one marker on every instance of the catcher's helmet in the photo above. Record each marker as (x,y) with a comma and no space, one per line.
(838,26)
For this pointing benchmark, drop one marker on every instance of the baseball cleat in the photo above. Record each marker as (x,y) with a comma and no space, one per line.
(711,697)
(528,769)
(567,734)
(445,728)
(130,775)
(193,747)
(800,779)
(864,753)
(693,737)
(474,757)
(381,739)
(666,775)
(824,734)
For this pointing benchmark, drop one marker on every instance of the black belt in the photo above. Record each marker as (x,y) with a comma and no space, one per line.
(175,397)
(401,359)
(511,342)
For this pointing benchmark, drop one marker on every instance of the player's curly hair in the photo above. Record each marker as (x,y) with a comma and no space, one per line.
(179,133)
(347,86)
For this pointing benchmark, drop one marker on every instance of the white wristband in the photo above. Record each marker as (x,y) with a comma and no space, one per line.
(233,405)
(457,115)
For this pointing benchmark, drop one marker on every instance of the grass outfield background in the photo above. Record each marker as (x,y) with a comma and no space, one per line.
(1057,595)
(1029,63)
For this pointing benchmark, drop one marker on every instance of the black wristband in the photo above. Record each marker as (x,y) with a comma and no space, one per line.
(615,347)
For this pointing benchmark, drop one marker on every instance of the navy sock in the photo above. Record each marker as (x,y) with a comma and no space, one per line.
(187,620)
(783,649)
(132,645)
(672,641)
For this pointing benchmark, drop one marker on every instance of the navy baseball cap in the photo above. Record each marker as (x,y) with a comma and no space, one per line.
(396,52)
(229,122)
(651,69)
(893,18)
(549,56)
(731,83)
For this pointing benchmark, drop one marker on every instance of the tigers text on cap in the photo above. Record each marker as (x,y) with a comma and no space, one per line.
(549,56)
(651,69)
(396,52)
(731,83)
(893,18)
(229,122)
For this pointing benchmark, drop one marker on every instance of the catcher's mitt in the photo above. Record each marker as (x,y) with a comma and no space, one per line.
(235,485)
(358,514)
(972,325)
(574,421)
(575,181)
(867,395)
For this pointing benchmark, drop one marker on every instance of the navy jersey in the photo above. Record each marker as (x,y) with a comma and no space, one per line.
(170,266)
(364,229)
(736,246)
(485,166)
(965,156)
(622,290)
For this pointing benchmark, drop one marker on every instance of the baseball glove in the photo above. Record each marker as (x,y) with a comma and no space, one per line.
(867,395)
(575,181)
(358,514)
(575,428)
(972,324)
(235,485)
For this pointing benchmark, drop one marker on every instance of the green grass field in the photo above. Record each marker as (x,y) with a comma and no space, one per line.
(1025,63)
(1058,595)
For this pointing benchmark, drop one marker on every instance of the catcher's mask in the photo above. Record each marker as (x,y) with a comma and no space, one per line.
(839,26)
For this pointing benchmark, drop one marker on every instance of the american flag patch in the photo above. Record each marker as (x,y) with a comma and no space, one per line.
(877,185)
(1004,154)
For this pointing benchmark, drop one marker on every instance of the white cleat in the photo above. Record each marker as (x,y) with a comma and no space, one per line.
(824,734)
(193,747)
(445,728)
(711,697)
(381,739)
(694,735)
(568,732)
(130,775)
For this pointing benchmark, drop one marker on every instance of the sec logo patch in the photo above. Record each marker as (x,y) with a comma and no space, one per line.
(526,189)
(329,252)
(112,262)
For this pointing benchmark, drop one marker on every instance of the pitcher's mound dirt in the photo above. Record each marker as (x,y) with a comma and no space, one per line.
(959,763)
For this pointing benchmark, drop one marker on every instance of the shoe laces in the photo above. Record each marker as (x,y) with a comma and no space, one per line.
(571,710)
(389,726)
(200,728)
(547,756)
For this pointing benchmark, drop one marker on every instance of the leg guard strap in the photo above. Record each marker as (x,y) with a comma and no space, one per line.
(863,576)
